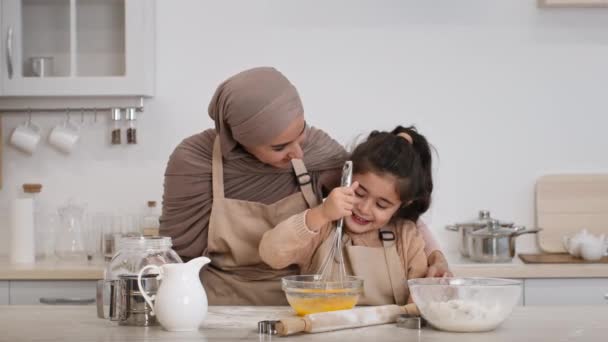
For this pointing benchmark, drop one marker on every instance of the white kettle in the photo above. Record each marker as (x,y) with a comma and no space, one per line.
(585,245)
(180,304)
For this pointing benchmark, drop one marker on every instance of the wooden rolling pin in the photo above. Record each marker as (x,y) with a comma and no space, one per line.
(344,319)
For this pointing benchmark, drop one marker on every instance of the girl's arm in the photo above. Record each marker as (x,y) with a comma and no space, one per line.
(295,240)
(291,242)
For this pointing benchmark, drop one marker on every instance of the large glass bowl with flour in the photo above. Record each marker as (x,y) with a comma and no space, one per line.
(465,304)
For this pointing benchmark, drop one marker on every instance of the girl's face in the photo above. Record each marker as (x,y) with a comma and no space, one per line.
(376,200)
(285,147)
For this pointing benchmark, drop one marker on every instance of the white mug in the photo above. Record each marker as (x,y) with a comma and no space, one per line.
(41,66)
(25,137)
(64,136)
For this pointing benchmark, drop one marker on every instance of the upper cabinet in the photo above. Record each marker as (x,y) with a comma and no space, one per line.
(77,48)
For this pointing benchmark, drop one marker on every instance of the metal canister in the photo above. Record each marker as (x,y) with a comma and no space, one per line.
(126,304)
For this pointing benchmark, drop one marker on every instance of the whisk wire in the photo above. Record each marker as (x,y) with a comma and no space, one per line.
(328,268)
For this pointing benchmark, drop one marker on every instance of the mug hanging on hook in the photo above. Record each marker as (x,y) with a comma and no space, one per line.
(26,136)
(64,136)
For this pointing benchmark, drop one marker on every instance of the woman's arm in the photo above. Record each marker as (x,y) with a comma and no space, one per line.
(416,262)
(438,264)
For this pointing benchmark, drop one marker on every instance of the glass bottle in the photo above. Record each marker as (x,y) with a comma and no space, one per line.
(150,223)
(130,116)
(115,116)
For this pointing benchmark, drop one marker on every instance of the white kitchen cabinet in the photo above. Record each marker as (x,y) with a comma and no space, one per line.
(563,291)
(77,48)
(3,292)
(30,292)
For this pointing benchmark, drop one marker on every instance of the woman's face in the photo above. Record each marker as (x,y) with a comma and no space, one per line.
(376,200)
(285,147)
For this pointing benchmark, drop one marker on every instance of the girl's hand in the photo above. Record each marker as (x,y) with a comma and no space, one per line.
(339,203)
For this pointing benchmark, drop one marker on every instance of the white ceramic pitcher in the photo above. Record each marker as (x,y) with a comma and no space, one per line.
(180,304)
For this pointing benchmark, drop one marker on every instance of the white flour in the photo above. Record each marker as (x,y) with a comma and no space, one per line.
(463,316)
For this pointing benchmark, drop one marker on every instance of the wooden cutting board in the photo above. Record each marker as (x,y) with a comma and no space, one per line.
(557,258)
(565,204)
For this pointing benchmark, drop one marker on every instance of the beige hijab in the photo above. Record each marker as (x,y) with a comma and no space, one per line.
(249,108)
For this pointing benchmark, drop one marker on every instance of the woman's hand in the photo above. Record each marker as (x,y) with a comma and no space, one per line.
(337,205)
(438,266)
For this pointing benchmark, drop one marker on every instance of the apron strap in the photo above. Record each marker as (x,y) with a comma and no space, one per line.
(217,170)
(394,266)
(305,181)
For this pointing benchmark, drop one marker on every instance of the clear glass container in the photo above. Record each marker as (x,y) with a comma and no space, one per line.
(136,252)
(150,221)
(69,244)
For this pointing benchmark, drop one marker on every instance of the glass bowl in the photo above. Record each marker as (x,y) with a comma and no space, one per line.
(309,294)
(465,304)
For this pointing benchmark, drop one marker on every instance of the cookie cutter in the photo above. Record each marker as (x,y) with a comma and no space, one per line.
(410,321)
(267,327)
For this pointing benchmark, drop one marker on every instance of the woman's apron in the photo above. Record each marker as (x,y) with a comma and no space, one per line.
(384,278)
(236,274)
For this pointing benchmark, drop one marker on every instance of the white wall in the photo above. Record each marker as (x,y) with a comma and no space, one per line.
(505,91)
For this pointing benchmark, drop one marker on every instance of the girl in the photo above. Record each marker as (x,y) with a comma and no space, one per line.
(391,188)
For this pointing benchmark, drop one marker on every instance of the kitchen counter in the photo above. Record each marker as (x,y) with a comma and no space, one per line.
(464,267)
(80,323)
(51,270)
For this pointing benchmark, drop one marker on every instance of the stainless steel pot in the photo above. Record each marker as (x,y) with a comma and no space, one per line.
(467,227)
(495,243)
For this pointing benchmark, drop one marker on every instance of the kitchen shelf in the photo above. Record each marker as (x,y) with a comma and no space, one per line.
(77,47)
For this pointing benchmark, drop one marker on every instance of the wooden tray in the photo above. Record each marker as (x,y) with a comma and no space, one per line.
(565,204)
(557,258)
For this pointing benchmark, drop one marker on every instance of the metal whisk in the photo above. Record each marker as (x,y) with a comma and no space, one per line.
(330,270)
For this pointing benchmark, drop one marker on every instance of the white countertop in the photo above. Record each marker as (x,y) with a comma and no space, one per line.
(80,323)
(462,267)
(51,270)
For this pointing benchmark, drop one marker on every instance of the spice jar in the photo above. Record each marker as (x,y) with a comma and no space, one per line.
(116,116)
(130,116)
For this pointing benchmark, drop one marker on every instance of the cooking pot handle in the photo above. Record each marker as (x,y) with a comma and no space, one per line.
(527,231)
(452,227)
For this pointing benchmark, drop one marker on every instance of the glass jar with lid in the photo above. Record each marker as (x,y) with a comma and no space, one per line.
(120,286)
(135,252)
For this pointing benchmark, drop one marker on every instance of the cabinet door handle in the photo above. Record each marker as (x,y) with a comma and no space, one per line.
(66,301)
(9,52)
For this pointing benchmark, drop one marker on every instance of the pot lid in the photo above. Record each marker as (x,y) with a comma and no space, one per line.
(482,220)
(494,229)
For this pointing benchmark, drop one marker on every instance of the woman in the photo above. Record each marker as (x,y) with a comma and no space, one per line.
(225,187)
